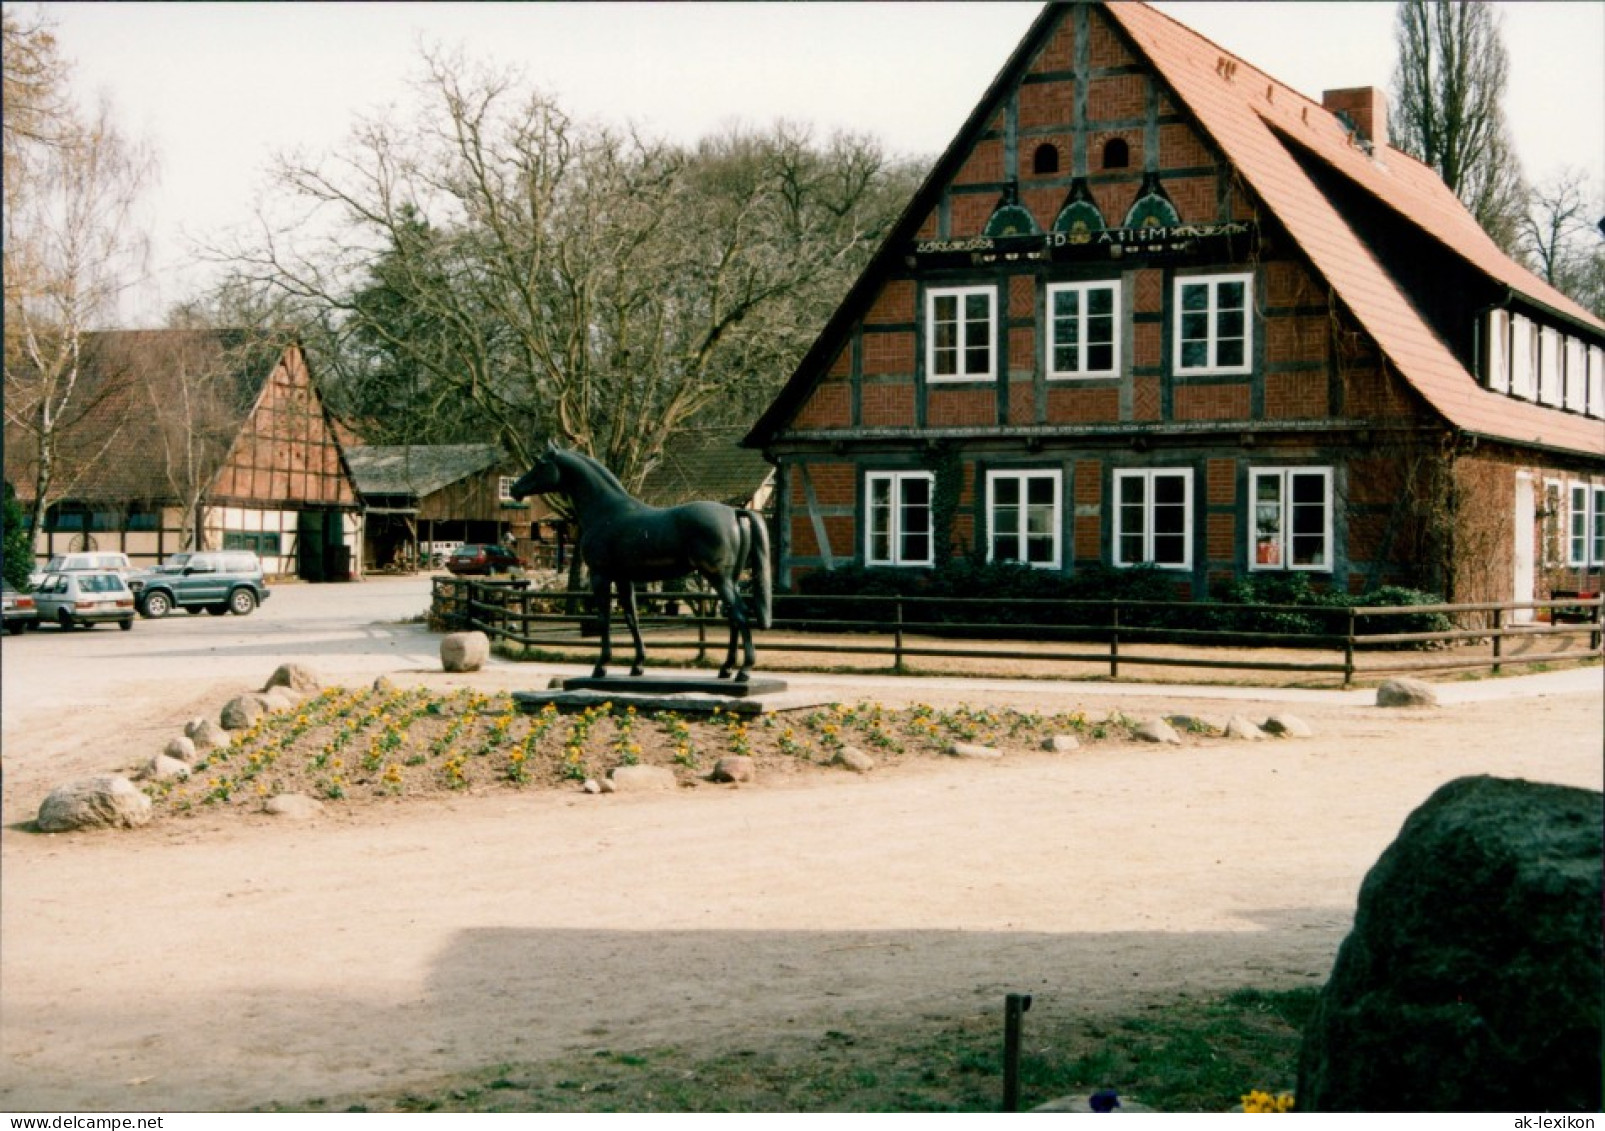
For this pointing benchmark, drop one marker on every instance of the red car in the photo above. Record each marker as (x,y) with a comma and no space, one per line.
(485,558)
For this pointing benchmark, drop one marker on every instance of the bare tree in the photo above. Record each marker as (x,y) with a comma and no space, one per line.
(72,246)
(1447,107)
(1561,237)
(496,265)
(37,114)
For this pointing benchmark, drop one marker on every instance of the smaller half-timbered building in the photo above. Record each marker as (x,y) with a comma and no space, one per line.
(220,431)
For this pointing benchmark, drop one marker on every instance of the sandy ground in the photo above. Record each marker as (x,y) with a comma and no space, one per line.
(222,963)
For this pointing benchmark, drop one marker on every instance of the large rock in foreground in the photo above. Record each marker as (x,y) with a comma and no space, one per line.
(107,801)
(1471,980)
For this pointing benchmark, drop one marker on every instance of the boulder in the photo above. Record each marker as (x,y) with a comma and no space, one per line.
(1471,980)
(243,711)
(162,767)
(1201,724)
(1240,727)
(1061,743)
(384,685)
(734,768)
(464,651)
(1156,730)
(642,779)
(296,806)
(209,736)
(854,759)
(194,725)
(973,750)
(105,801)
(180,749)
(1287,726)
(1406,693)
(280,698)
(297,677)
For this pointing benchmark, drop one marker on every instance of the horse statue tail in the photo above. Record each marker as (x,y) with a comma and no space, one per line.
(758,558)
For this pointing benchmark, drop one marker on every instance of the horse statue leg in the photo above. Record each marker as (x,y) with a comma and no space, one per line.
(740,628)
(602,591)
(627,604)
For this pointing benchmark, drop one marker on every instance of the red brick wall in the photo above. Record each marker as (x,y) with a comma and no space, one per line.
(1211,402)
(1148,291)
(895,303)
(1095,145)
(1022,403)
(1220,537)
(842,367)
(1115,200)
(1022,297)
(1117,97)
(1022,350)
(968,214)
(1046,104)
(961,406)
(888,353)
(1072,406)
(835,485)
(1028,151)
(1147,343)
(1287,283)
(1105,48)
(830,406)
(1043,204)
(1181,147)
(1060,52)
(1295,338)
(985,164)
(1295,395)
(1221,477)
(1145,398)
(1194,198)
(888,406)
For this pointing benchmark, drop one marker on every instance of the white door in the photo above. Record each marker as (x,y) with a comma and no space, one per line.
(1525,519)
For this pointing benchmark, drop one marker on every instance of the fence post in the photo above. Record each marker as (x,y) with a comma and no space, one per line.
(1014,1008)
(1348,650)
(1114,639)
(1595,637)
(1499,636)
(897,635)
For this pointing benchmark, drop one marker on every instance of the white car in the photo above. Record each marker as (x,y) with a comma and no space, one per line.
(84,598)
(83,560)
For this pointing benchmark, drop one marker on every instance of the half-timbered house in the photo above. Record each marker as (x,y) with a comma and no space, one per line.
(1156,307)
(185,430)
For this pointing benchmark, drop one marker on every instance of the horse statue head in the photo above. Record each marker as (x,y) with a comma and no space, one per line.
(544,477)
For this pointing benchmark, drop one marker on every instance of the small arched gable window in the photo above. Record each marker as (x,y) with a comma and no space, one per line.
(1045,159)
(1116,153)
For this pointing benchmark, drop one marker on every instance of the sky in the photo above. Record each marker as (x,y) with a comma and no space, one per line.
(217,89)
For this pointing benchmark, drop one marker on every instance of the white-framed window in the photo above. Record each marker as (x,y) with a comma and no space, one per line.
(1292,518)
(1213,328)
(1596,382)
(1523,358)
(1576,374)
(504,488)
(1023,520)
(1154,518)
(961,330)
(1551,377)
(1496,351)
(897,530)
(1586,526)
(1084,329)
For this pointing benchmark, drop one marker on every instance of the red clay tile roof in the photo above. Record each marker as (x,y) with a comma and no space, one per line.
(1243,110)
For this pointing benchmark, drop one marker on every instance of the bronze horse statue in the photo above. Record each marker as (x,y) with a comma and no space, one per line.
(623,540)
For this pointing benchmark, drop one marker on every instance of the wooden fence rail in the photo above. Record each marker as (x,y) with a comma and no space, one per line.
(681,620)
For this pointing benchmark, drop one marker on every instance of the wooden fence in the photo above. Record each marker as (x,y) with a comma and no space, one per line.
(905,628)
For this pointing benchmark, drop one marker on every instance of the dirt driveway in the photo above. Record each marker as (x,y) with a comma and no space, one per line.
(212,963)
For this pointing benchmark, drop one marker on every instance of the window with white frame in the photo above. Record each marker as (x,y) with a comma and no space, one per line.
(1023,517)
(961,333)
(1586,526)
(504,489)
(1292,518)
(1084,329)
(1153,518)
(897,530)
(1213,330)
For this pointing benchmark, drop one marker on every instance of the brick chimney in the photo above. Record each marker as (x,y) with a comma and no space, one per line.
(1365,106)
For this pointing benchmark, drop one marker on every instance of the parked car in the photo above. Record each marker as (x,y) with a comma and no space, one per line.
(485,558)
(85,597)
(218,581)
(21,612)
(83,560)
